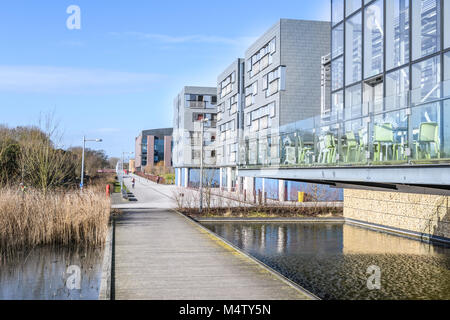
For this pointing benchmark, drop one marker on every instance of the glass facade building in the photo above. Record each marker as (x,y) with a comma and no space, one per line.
(394,54)
(390,89)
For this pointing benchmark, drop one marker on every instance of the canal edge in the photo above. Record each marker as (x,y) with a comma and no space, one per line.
(261,264)
(106,278)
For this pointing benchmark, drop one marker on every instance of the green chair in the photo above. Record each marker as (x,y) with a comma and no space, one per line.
(327,149)
(351,148)
(383,138)
(303,151)
(428,141)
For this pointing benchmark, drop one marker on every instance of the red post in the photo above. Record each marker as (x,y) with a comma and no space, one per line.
(108,190)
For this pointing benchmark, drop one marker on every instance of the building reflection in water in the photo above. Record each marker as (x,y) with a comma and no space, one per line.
(331,259)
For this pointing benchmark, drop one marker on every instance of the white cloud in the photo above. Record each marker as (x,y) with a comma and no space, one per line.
(197,38)
(66,80)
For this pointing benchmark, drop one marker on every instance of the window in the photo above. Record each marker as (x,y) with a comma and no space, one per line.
(446,24)
(337,103)
(274,81)
(353,45)
(337,11)
(447,76)
(397,88)
(233,104)
(397,82)
(337,71)
(397,33)
(272,109)
(353,96)
(227,85)
(425,27)
(261,118)
(426,77)
(261,59)
(351,6)
(373,39)
(337,41)
(250,93)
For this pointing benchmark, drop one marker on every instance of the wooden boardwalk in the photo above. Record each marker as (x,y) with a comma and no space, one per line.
(160,255)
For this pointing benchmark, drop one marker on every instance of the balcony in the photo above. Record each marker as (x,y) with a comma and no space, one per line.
(410,130)
(196,104)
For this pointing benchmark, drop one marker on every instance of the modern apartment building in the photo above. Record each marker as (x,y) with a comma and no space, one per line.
(192,105)
(230,89)
(153,147)
(282,85)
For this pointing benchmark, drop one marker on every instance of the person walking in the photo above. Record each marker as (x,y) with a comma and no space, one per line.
(133,181)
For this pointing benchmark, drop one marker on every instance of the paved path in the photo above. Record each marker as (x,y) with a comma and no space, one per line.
(160,254)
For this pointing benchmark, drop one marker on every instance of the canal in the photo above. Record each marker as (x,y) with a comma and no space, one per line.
(46,273)
(339,261)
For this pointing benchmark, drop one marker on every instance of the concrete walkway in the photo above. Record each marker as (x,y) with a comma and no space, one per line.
(159,254)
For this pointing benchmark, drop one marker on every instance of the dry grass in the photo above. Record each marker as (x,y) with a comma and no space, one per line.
(34,218)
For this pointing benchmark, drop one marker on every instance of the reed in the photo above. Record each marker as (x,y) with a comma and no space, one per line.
(36,218)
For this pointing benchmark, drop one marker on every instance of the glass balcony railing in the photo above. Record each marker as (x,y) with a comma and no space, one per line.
(412,128)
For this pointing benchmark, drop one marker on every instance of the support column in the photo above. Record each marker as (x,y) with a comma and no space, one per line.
(179,171)
(249,186)
(186,177)
(281,190)
(229,179)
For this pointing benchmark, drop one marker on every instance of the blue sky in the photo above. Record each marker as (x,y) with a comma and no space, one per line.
(120,72)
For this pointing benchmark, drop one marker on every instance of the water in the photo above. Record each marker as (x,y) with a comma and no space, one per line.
(46,273)
(331,260)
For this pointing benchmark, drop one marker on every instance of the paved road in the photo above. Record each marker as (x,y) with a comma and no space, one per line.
(160,254)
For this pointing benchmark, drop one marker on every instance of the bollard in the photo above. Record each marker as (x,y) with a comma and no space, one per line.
(301,197)
(108,190)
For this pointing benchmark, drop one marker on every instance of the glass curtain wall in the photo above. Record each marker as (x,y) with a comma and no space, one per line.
(397,33)
(373,39)
(426,29)
(353,47)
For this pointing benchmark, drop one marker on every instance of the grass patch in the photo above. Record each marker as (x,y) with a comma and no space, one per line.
(265,212)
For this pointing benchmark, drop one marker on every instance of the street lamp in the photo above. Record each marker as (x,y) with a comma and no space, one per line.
(82,158)
(202,123)
(121,174)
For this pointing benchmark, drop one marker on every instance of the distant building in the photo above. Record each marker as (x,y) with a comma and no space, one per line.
(191,105)
(152,147)
(230,96)
(132,166)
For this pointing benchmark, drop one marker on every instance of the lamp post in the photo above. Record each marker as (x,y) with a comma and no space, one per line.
(202,124)
(121,174)
(82,159)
